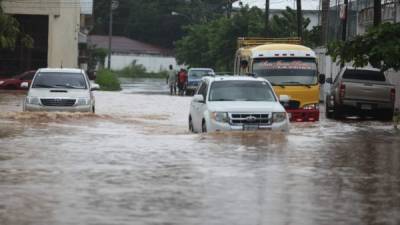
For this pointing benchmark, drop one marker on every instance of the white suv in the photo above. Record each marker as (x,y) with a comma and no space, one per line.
(60,90)
(236,103)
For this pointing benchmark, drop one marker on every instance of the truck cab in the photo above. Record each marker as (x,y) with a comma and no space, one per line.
(291,69)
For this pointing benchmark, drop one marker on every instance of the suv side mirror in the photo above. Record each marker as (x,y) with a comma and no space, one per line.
(198,98)
(329,80)
(321,78)
(284,98)
(24,85)
(94,87)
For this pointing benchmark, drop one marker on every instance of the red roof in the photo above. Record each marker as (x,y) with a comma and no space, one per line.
(125,45)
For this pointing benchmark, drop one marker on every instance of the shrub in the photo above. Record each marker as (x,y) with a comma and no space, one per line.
(137,70)
(108,80)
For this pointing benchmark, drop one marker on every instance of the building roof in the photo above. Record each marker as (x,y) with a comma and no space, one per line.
(124,45)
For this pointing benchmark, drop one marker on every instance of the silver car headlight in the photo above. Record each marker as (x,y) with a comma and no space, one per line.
(220,117)
(83,101)
(33,100)
(278,117)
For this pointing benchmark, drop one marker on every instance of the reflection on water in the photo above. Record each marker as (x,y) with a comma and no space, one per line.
(134,162)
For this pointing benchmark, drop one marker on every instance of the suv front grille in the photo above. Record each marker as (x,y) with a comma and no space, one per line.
(57,102)
(249,118)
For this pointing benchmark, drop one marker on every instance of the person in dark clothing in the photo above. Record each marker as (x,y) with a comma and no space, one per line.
(182,81)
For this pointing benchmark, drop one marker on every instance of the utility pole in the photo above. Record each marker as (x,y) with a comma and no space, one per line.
(324,21)
(299,20)
(343,16)
(267,34)
(113,5)
(377,12)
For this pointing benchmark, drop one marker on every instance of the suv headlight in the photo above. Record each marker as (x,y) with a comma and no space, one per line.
(83,101)
(311,106)
(33,100)
(278,117)
(220,117)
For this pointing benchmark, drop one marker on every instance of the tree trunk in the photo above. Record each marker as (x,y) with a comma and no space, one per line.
(377,12)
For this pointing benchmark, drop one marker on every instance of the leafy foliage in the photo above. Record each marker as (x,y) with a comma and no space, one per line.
(380,47)
(137,70)
(108,80)
(152,21)
(213,44)
(10,32)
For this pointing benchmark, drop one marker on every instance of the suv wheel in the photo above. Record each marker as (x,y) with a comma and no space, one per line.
(204,127)
(191,125)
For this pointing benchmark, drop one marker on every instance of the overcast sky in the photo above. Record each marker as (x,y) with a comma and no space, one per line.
(280,4)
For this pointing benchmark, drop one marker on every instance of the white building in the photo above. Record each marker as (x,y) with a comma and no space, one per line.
(125,51)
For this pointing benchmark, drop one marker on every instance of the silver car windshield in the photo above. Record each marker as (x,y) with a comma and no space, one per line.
(241,91)
(59,80)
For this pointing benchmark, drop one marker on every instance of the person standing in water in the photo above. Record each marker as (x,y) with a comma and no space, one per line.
(171,80)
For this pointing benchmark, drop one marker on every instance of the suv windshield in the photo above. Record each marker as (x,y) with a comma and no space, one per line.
(199,73)
(287,71)
(364,75)
(241,91)
(59,80)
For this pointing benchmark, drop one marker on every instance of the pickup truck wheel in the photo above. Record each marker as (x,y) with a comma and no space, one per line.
(191,125)
(328,109)
(385,115)
(337,113)
(203,127)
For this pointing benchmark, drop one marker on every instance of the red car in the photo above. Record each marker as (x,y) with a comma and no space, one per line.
(15,81)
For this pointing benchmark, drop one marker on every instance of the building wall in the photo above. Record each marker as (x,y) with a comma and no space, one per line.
(150,62)
(63,26)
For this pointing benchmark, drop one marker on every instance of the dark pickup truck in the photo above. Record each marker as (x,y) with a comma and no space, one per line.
(360,91)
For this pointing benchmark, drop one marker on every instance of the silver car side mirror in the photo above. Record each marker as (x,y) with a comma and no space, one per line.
(24,85)
(94,87)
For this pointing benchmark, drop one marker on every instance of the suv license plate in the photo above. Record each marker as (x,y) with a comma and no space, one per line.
(249,127)
(366,106)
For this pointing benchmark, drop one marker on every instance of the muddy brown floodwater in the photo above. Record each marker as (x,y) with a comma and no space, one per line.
(134,162)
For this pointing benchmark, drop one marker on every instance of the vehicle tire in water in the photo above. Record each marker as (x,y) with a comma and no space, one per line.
(385,115)
(203,127)
(337,113)
(328,109)
(191,125)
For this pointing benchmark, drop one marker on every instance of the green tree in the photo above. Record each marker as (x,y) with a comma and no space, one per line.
(380,47)
(152,21)
(214,44)
(10,32)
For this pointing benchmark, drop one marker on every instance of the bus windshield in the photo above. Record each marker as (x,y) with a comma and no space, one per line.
(287,71)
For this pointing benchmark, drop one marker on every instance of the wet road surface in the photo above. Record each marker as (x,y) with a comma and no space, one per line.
(134,162)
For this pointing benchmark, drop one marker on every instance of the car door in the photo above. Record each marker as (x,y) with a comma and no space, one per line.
(197,107)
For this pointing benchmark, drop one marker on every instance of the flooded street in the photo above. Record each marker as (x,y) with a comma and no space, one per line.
(134,162)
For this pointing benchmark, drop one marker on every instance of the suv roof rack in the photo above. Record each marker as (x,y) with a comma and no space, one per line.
(255,41)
